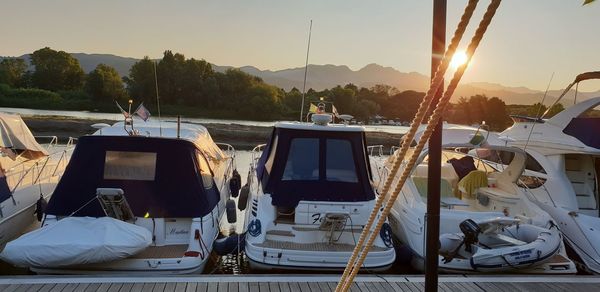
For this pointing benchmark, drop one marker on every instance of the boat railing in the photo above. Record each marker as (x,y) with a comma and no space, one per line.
(53,140)
(230,152)
(256,153)
(375,150)
(393,149)
(28,173)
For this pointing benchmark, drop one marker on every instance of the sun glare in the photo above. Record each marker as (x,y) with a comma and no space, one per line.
(459,58)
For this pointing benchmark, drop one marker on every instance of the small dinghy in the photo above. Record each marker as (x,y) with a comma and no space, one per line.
(77,241)
(497,244)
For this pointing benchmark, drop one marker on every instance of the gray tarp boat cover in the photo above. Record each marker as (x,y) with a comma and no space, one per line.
(15,135)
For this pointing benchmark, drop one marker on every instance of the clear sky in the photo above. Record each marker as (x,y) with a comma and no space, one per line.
(527,41)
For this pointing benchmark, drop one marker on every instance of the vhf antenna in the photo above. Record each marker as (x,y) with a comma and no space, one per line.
(157,100)
(305,71)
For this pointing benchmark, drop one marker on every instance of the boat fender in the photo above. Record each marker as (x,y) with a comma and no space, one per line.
(235,182)
(40,208)
(254,228)
(231,212)
(243,200)
(386,234)
(232,244)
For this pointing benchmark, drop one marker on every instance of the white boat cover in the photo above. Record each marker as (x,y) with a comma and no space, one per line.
(15,134)
(77,241)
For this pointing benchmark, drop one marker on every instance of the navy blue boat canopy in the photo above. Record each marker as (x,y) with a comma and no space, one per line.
(299,164)
(161,177)
(585,129)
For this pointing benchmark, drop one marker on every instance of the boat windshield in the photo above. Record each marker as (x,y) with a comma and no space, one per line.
(315,166)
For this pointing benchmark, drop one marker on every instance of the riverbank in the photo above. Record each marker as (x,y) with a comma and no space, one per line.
(242,137)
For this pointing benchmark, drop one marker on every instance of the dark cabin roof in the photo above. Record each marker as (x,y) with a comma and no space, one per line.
(176,190)
(289,192)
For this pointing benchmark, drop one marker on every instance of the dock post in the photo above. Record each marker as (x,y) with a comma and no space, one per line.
(432,218)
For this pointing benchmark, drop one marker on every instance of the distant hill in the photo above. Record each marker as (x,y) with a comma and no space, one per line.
(327,76)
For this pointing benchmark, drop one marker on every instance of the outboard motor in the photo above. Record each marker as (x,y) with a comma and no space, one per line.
(471,231)
(235,183)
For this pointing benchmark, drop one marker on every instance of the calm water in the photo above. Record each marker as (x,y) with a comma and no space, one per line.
(119,117)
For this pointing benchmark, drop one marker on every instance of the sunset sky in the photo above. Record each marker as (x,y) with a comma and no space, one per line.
(527,41)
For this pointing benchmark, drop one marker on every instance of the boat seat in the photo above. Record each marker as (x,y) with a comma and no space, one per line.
(446,189)
(507,240)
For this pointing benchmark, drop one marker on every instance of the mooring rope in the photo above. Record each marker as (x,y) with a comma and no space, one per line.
(353,264)
(409,136)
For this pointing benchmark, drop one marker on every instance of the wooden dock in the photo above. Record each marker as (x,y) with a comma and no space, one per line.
(295,283)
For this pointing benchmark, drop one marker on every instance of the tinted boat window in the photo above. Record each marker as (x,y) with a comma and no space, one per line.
(340,161)
(129,165)
(303,160)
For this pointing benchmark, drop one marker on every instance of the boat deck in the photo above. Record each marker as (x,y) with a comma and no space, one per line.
(317,246)
(296,283)
(162,252)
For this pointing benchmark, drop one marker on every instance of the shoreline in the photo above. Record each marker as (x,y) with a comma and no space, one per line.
(242,137)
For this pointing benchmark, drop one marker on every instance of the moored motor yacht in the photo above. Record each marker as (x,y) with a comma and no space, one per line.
(486,223)
(147,199)
(564,152)
(309,194)
(29,173)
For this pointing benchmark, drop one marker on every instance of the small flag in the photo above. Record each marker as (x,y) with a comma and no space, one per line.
(334,111)
(313,108)
(142,112)
(126,114)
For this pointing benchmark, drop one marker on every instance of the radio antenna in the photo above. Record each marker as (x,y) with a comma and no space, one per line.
(157,100)
(305,71)
(537,116)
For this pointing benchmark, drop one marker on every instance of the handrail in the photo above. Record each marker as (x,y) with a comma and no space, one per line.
(377,148)
(36,177)
(53,139)
(231,150)
(255,153)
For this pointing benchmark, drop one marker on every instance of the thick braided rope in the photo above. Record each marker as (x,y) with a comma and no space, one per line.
(409,136)
(433,120)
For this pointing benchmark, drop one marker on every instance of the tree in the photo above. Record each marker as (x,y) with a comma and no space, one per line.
(56,70)
(105,85)
(555,109)
(170,77)
(12,72)
(140,83)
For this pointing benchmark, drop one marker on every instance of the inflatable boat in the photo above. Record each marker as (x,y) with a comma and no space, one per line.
(497,244)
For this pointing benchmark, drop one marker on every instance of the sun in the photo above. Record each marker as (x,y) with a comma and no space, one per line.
(459,58)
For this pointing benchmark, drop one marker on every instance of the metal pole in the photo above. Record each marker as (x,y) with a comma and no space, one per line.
(432,218)
(305,71)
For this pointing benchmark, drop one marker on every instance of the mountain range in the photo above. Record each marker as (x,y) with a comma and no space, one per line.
(327,76)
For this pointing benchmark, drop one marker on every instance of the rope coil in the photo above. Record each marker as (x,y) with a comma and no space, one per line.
(354,264)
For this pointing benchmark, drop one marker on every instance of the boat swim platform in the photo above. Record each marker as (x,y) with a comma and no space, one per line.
(296,283)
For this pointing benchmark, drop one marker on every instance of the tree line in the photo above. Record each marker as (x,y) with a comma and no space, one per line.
(55,80)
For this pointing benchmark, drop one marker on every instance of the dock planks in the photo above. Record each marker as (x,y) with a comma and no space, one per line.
(294,283)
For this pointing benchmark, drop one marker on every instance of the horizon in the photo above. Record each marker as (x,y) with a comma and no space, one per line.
(352,34)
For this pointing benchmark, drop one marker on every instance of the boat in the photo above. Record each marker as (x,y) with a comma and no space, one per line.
(486,223)
(29,173)
(148,199)
(309,193)
(562,174)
